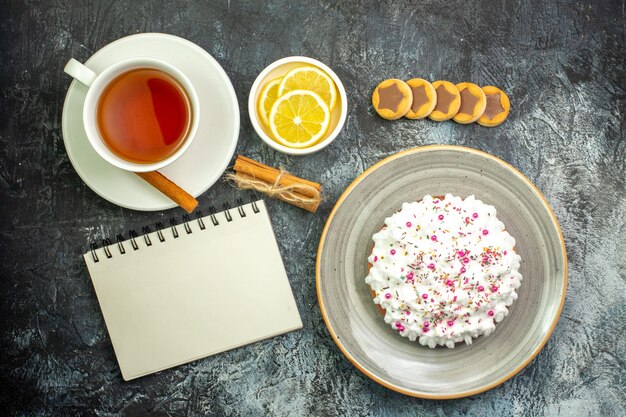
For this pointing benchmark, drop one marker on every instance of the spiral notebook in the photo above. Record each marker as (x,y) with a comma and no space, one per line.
(187,291)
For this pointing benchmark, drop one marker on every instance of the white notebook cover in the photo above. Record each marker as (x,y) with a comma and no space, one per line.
(189,297)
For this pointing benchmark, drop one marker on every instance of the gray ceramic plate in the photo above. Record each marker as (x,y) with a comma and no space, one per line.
(358,328)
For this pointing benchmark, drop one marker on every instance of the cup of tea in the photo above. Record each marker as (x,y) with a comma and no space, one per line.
(140,114)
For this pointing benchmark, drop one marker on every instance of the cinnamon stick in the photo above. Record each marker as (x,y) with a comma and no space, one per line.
(269,174)
(170,189)
(278,183)
(310,206)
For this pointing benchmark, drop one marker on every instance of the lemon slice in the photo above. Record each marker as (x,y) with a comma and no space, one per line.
(313,79)
(267,98)
(299,119)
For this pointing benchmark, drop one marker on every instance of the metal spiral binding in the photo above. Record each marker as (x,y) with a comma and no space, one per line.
(120,245)
(240,209)
(133,236)
(145,230)
(159,228)
(200,222)
(94,255)
(105,245)
(212,215)
(186,220)
(173,227)
(226,207)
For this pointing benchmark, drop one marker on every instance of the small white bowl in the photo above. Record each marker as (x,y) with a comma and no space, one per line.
(278,69)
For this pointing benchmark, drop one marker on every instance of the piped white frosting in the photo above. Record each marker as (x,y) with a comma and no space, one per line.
(444,271)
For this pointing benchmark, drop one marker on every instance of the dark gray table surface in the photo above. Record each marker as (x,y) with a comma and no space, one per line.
(563,65)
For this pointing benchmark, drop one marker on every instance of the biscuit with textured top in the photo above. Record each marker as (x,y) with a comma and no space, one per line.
(392,99)
(497,108)
(448,101)
(424,98)
(473,103)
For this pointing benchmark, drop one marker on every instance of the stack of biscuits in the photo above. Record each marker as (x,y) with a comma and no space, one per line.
(464,102)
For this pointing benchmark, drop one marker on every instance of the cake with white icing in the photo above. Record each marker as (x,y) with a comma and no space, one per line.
(444,270)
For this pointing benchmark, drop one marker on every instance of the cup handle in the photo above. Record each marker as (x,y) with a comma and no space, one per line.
(80,72)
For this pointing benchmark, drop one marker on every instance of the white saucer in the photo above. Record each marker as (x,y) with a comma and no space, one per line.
(207,157)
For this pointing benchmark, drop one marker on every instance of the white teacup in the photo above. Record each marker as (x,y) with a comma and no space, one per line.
(98,82)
